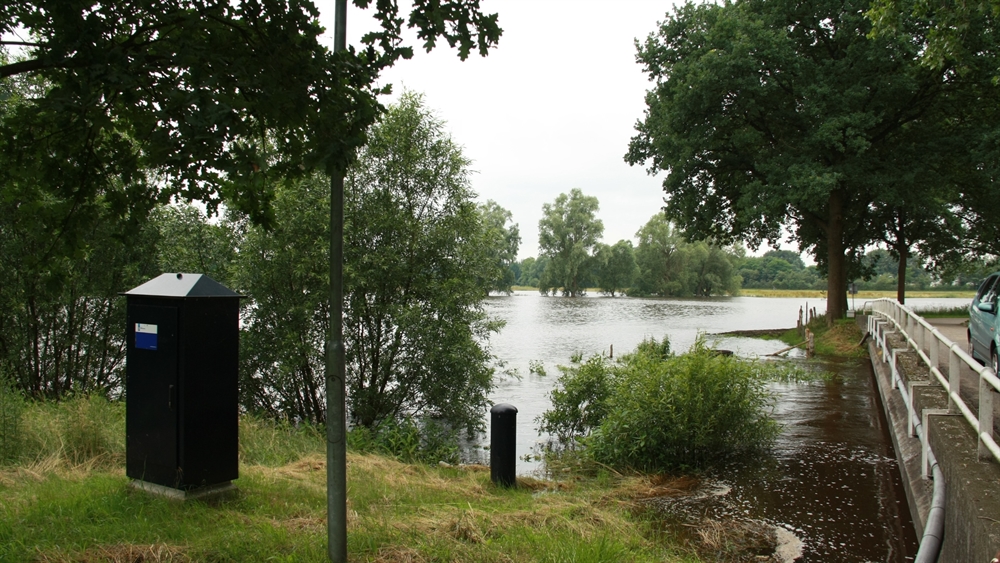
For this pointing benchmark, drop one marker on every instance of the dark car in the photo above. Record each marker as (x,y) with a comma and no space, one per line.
(984,322)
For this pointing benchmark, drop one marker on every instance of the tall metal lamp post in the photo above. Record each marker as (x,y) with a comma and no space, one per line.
(336,411)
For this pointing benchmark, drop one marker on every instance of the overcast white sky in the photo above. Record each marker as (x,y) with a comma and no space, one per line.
(552,108)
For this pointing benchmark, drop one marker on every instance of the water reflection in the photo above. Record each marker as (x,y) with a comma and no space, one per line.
(549,330)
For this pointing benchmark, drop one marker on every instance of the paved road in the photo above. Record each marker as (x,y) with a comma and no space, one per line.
(956,330)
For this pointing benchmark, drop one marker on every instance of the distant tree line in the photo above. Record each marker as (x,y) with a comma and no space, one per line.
(664,264)
(784,269)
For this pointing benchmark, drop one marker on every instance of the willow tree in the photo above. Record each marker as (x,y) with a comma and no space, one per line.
(420,258)
(568,234)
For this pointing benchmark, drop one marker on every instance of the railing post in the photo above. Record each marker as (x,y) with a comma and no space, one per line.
(954,379)
(880,330)
(934,344)
(924,445)
(985,415)
(894,370)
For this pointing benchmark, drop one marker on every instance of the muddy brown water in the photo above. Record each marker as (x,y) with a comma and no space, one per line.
(831,479)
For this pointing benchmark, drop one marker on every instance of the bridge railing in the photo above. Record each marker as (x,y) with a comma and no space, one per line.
(932,346)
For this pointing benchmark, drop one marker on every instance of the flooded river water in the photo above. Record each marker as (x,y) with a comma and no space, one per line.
(831,479)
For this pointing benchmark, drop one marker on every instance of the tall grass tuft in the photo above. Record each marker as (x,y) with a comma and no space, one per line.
(274,443)
(409,440)
(86,430)
(11,409)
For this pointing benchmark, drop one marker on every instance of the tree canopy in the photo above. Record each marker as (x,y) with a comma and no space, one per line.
(135,103)
(956,33)
(419,259)
(616,267)
(670,266)
(778,114)
(495,219)
(568,233)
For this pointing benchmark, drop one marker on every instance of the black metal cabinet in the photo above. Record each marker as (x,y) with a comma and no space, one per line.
(181,388)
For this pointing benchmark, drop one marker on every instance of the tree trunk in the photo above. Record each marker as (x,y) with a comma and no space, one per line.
(836,281)
(903,250)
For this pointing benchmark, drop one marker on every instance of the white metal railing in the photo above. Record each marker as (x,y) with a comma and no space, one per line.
(930,344)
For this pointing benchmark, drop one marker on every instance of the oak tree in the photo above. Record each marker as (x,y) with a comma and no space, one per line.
(772,115)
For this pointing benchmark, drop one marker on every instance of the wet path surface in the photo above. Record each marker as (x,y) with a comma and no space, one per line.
(832,479)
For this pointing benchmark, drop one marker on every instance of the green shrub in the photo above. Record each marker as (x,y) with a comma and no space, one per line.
(579,400)
(651,348)
(654,411)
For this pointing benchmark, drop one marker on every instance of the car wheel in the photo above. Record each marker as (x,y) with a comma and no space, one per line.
(994,361)
(971,349)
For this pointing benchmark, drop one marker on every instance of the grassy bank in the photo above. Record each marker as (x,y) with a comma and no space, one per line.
(66,499)
(865,295)
(840,340)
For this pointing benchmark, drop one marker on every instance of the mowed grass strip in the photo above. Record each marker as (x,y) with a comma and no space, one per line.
(64,509)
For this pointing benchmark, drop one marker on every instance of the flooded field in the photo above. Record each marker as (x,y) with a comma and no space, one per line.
(831,481)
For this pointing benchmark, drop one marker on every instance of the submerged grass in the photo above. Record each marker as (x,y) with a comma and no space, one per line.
(843,339)
(66,500)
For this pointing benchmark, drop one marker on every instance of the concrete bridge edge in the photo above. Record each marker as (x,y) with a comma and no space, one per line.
(972,504)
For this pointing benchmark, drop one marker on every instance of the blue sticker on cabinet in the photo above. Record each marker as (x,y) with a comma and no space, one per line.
(145,336)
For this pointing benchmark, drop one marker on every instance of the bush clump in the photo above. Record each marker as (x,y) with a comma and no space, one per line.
(652,411)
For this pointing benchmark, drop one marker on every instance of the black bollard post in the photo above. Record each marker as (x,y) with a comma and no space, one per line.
(503,456)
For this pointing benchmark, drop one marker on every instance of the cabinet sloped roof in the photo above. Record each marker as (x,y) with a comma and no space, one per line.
(183,285)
